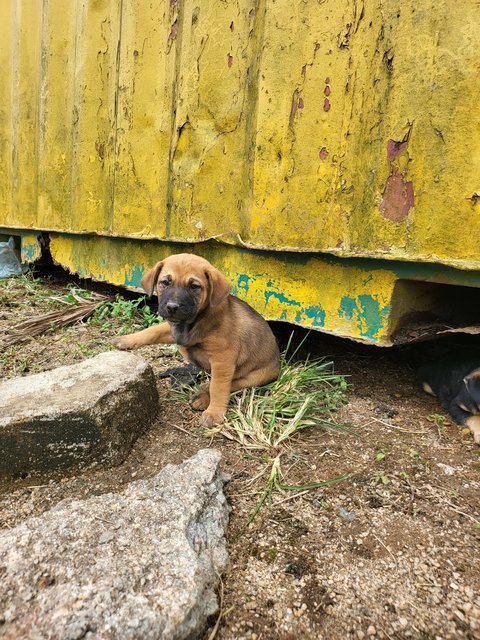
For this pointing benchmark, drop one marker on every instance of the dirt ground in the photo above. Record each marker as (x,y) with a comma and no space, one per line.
(391,552)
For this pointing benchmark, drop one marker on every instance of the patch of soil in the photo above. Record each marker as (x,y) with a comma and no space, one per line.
(391,552)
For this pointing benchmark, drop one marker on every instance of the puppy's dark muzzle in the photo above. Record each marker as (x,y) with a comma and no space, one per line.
(171,308)
(172,311)
(177,309)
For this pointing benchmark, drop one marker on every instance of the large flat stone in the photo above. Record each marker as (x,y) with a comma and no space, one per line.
(137,566)
(75,416)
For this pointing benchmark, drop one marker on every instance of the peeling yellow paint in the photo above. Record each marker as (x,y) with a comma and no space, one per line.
(277,289)
(184,121)
(30,247)
(344,128)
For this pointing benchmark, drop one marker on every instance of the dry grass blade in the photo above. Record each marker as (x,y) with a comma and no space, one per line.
(275,482)
(56,319)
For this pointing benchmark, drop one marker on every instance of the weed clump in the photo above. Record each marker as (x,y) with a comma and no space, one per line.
(305,395)
(126,315)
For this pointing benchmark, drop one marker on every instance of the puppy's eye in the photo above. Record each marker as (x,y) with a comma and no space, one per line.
(165,282)
(194,286)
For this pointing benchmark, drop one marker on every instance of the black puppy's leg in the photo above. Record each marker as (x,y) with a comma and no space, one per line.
(473,423)
(457,413)
(465,418)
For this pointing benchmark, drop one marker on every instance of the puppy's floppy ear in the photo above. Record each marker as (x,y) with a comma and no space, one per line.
(219,286)
(149,280)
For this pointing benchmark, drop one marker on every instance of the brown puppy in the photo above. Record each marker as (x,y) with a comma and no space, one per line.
(214,330)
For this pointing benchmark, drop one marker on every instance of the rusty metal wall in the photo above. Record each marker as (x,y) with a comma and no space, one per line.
(338,127)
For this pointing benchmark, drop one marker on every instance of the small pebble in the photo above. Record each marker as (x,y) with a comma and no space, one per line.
(107,536)
(371,631)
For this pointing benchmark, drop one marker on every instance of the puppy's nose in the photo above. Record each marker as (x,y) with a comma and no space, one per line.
(172,307)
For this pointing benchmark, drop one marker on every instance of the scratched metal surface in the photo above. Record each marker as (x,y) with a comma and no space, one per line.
(340,126)
(337,127)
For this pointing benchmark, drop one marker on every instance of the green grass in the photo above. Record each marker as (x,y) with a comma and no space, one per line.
(305,396)
(129,315)
(274,482)
(24,289)
(14,363)
(93,348)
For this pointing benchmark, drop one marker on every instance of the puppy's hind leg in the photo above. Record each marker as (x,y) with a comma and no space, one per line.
(256,378)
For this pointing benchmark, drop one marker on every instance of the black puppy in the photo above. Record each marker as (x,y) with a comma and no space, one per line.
(455,380)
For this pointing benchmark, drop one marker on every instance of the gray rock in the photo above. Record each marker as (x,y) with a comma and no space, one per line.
(137,566)
(76,416)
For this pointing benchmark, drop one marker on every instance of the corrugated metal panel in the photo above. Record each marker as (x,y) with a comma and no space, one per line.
(342,127)
(337,126)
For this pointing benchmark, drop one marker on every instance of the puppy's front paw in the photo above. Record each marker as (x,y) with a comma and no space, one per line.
(200,401)
(124,343)
(211,418)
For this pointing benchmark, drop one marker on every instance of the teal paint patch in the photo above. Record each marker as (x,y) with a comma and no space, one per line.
(298,317)
(347,307)
(281,298)
(133,280)
(283,315)
(29,252)
(316,314)
(370,317)
(243,282)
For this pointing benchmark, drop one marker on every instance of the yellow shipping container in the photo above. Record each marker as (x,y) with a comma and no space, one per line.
(324,154)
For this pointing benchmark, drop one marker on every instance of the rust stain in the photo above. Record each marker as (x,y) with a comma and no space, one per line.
(232,26)
(394,149)
(100,148)
(327,90)
(323,153)
(326,104)
(172,35)
(398,197)
(297,103)
(229,60)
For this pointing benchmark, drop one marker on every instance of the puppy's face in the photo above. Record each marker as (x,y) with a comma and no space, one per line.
(472,382)
(186,285)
